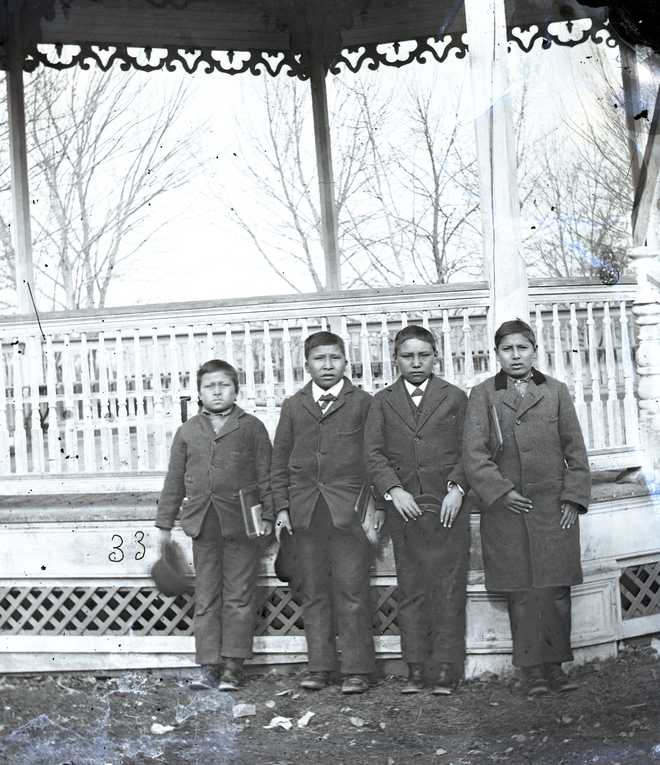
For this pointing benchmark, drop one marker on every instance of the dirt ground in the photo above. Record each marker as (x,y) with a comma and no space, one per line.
(82,718)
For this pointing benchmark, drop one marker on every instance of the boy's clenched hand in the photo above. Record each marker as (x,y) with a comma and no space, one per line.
(282,522)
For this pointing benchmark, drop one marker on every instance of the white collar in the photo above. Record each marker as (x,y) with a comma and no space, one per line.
(410,387)
(317,391)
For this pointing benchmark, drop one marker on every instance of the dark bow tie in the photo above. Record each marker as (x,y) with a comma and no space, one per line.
(417,392)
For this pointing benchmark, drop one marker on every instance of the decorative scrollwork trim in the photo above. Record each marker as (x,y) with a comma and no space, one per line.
(564,33)
(170,58)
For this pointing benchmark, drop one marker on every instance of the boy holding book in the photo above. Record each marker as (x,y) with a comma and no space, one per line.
(525,459)
(217,455)
(317,475)
(413,447)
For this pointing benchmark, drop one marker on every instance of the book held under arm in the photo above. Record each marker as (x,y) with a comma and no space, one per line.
(252,509)
(365,508)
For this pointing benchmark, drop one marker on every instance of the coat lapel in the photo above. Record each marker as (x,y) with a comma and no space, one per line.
(231,425)
(532,396)
(437,391)
(307,400)
(398,399)
(346,390)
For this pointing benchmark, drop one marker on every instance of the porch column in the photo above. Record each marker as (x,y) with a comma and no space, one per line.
(18,154)
(500,204)
(325,173)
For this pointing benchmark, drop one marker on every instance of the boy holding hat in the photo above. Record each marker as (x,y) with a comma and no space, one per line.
(413,448)
(525,458)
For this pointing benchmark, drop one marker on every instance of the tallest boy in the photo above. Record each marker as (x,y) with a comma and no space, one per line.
(317,473)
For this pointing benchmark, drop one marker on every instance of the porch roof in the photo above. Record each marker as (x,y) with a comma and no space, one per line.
(293,27)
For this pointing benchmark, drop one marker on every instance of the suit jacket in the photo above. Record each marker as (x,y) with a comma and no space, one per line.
(319,453)
(543,457)
(207,469)
(421,450)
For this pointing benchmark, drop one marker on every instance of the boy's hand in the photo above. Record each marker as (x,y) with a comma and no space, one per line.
(164,537)
(266,528)
(282,522)
(451,506)
(405,504)
(379,520)
(516,503)
(569,515)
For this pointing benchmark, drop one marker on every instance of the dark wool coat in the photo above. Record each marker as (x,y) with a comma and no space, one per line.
(320,453)
(207,469)
(419,450)
(544,458)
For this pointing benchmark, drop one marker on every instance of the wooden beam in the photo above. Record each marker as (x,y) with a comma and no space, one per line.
(18,155)
(500,205)
(646,190)
(326,177)
(632,105)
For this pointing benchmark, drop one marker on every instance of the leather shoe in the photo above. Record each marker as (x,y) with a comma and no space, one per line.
(445,684)
(535,681)
(208,678)
(415,681)
(355,684)
(314,681)
(230,677)
(558,679)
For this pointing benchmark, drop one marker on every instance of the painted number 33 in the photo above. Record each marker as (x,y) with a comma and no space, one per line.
(116,555)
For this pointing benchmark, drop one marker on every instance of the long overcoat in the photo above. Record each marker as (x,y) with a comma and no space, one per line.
(543,457)
(319,453)
(208,469)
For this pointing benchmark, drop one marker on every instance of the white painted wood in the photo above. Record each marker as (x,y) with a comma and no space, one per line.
(597,429)
(175,383)
(269,376)
(71,456)
(160,444)
(54,463)
(287,361)
(192,364)
(142,436)
(345,336)
(446,347)
(404,319)
(229,344)
(5,462)
(122,405)
(385,351)
(20,440)
(33,346)
(612,406)
(631,434)
(365,356)
(467,347)
(499,199)
(578,382)
(248,352)
(89,448)
(558,367)
(304,332)
(540,341)
(107,461)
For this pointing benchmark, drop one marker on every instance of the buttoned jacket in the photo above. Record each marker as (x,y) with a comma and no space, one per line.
(318,453)
(209,469)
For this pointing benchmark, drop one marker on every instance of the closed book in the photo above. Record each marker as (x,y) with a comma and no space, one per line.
(251,508)
(365,509)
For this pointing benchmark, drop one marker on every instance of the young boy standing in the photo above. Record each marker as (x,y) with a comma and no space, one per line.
(214,455)
(413,447)
(525,459)
(317,473)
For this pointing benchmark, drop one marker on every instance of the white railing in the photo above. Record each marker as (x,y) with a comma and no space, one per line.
(102,391)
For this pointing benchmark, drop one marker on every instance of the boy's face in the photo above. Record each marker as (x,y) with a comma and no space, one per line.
(326,365)
(415,359)
(516,355)
(216,392)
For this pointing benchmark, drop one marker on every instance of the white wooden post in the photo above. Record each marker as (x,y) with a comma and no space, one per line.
(594,370)
(446,347)
(385,350)
(141,421)
(286,357)
(89,447)
(53,424)
(33,348)
(631,429)
(578,382)
(365,356)
(500,204)
(5,461)
(122,406)
(18,158)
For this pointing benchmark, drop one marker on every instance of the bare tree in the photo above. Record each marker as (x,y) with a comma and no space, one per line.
(101,151)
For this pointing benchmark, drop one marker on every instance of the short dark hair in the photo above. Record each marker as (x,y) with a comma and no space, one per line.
(217,365)
(514,327)
(414,331)
(323,338)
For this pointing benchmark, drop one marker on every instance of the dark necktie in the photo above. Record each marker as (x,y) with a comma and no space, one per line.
(325,400)
(417,393)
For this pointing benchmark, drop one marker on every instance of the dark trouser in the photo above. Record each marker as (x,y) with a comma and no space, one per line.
(431,569)
(334,583)
(225,593)
(540,625)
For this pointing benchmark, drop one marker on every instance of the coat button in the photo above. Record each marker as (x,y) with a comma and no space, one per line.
(517,422)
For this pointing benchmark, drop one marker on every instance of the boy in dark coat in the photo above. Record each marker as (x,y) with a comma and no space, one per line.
(413,449)
(214,455)
(525,458)
(317,473)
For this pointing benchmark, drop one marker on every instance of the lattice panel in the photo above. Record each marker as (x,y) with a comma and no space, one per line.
(125,610)
(640,590)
